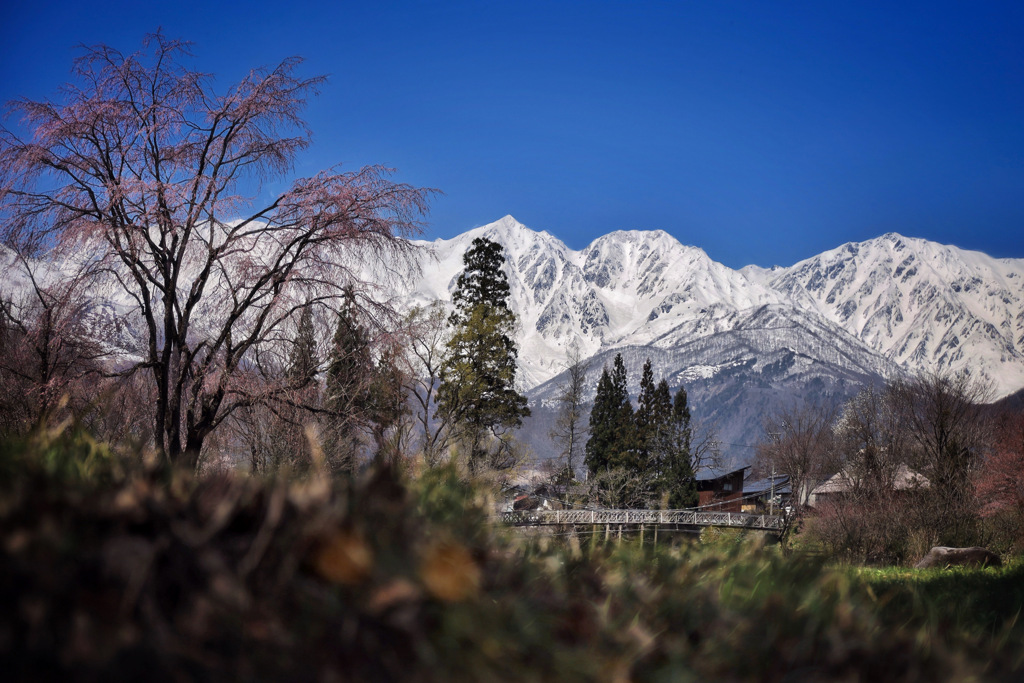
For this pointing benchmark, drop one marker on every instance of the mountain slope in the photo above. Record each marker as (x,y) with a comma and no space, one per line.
(769,355)
(927,306)
(628,287)
(921,305)
(742,342)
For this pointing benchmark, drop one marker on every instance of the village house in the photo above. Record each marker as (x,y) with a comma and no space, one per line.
(758,495)
(722,492)
(841,483)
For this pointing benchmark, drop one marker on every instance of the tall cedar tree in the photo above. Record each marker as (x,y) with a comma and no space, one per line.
(602,426)
(303,362)
(477,393)
(347,396)
(680,480)
(611,442)
(649,425)
(660,444)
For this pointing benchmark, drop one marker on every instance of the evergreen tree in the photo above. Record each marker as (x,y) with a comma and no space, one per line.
(482,282)
(477,392)
(302,361)
(611,442)
(625,455)
(680,481)
(659,443)
(347,391)
(646,420)
(602,426)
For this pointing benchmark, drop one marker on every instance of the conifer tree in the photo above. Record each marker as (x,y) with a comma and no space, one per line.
(347,391)
(680,480)
(477,392)
(602,426)
(624,420)
(482,282)
(647,421)
(611,441)
(658,455)
(303,362)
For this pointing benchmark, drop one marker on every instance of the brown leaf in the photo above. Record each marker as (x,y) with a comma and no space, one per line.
(343,558)
(449,572)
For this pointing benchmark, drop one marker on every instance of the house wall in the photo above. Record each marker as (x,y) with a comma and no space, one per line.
(722,494)
(721,502)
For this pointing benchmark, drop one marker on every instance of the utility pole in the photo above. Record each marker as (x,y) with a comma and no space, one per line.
(771,501)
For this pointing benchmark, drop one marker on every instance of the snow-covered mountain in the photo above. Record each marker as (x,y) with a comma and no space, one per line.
(912,304)
(742,341)
(626,288)
(926,306)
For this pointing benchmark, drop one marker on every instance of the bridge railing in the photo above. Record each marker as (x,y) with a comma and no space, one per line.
(606,516)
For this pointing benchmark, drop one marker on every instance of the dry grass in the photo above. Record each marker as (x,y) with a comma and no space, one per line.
(114,569)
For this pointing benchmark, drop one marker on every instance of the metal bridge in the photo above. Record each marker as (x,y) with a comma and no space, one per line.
(644,517)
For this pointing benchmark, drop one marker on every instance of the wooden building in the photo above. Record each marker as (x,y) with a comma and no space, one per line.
(722,492)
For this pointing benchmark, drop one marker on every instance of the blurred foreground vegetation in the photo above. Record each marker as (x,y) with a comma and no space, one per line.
(115,568)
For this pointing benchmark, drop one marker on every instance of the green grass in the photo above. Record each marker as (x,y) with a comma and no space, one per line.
(976,606)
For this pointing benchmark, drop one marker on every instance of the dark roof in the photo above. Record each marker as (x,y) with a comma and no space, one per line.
(711,475)
(782,485)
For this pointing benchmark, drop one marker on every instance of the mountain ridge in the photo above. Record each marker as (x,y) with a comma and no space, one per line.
(934,307)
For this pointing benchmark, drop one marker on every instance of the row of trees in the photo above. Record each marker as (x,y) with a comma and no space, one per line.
(646,456)
(354,411)
(916,464)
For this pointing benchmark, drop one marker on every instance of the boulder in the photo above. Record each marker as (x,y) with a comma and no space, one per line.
(940,556)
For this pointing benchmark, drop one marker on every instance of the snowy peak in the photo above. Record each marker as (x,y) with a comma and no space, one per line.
(925,305)
(508,232)
(651,282)
(917,303)
(621,258)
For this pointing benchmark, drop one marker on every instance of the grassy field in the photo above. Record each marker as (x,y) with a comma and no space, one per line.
(112,568)
(978,608)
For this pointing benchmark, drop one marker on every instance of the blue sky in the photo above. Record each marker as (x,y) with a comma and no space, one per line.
(761,132)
